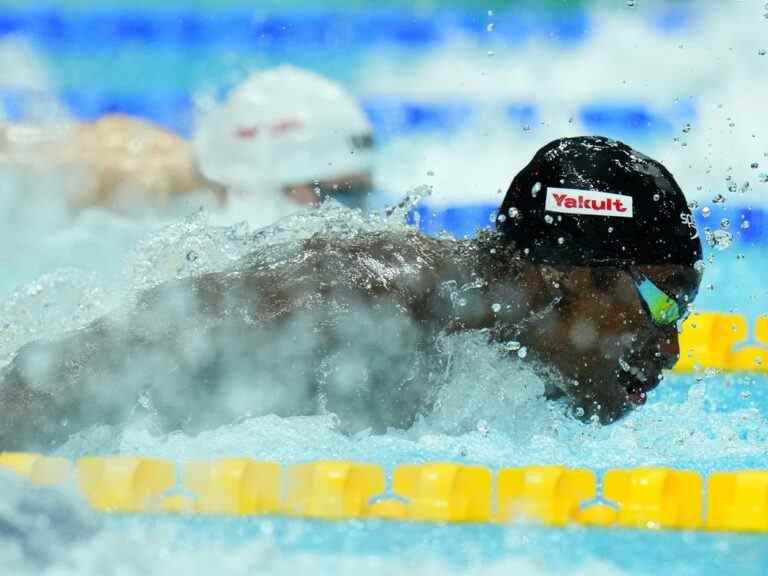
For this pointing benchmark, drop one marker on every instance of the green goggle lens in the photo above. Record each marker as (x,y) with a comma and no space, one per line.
(664,309)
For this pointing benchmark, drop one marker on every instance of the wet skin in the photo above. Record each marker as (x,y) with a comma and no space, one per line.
(601,334)
(372,301)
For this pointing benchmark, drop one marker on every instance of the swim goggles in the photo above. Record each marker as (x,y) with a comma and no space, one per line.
(663,309)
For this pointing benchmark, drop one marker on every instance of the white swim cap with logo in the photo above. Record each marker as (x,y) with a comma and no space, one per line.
(280,127)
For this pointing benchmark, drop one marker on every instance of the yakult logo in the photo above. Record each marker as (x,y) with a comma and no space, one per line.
(588,202)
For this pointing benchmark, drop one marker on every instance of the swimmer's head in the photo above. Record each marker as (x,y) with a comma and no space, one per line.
(290,132)
(593,201)
(610,237)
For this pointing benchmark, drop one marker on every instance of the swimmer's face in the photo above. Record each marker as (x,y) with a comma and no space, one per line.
(604,341)
(351,190)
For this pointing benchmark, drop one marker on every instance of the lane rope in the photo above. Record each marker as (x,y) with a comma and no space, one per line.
(721,341)
(445,492)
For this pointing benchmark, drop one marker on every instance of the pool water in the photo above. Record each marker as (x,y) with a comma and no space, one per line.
(461,135)
(490,413)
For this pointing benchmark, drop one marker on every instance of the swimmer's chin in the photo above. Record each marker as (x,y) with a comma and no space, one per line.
(625,393)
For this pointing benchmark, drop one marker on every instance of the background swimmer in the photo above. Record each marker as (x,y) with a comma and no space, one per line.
(117,162)
(592,288)
(284,137)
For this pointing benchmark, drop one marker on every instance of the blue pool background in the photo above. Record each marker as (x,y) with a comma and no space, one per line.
(154,63)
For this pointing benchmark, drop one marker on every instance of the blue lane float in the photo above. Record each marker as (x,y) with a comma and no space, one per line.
(636,119)
(390,116)
(111,27)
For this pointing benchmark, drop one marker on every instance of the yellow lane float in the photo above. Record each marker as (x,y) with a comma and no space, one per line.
(445,492)
(715,340)
(551,495)
(639,498)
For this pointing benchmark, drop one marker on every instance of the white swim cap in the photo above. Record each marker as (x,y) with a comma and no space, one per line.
(283,126)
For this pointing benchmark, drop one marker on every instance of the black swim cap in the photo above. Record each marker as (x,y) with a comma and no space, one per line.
(592,201)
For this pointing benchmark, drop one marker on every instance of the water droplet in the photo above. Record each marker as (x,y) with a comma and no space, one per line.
(548,219)
(745,395)
(491,53)
(630,3)
(719,239)
(430,173)
(561,240)
(513,212)
(754,165)
(526,251)
(192,256)
(579,412)
(490,27)
(725,223)
(720,199)
(496,307)
(693,204)
(740,256)
(706,211)
(501,218)
(745,225)
(761,52)
(686,127)
(763,177)
(482,427)
(610,229)
(144,400)
(523,352)
(512,346)
(656,197)
(536,189)
(744,188)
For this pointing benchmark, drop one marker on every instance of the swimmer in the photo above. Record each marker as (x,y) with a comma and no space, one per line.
(130,162)
(284,138)
(593,264)
(118,162)
(287,136)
